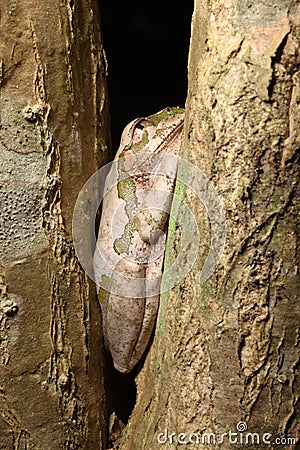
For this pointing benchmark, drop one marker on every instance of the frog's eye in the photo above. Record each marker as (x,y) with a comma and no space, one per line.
(140,126)
(138,131)
(143,123)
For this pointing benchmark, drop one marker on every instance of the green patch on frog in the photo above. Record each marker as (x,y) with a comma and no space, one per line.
(127,192)
(135,148)
(157,118)
(126,187)
(104,286)
(122,244)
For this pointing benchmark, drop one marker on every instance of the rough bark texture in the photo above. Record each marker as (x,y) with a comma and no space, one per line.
(227,351)
(53,135)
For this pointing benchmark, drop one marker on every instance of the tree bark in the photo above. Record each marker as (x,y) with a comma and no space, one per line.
(53,136)
(226,352)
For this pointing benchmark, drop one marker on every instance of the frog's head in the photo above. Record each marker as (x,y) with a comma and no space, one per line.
(150,134)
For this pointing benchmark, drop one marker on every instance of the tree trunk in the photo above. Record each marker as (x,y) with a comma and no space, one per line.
(53,135)
(225,356)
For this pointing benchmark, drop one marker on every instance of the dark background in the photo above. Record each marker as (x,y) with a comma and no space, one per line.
(146,45)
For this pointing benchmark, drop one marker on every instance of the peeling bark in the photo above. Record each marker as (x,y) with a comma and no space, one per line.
(227,351)
(53,136)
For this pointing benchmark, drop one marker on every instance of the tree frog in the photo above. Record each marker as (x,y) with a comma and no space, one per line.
(128,261)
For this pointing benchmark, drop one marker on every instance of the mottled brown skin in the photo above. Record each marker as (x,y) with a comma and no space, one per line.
(132,231)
